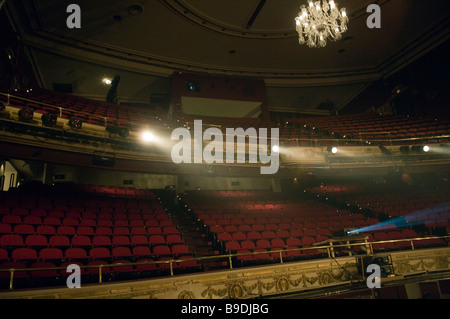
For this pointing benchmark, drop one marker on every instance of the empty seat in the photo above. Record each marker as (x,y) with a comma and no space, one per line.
(244,228)
(32,220)
(11,219)
(5,229)
(122,253)
(19,274)
(230,228)
(232,246)
(247,244)
(81,241)
(246,256)
(85,230)
(148,267)
(239,236)
(23,229)
(94,268)
(138,231)
(24,255)
(124,270)
(268,234)
(11,240)
(66,230)
(121,223)
(54,255)
(139,240)
(70,222)
(151,223)
(224,237)
(36,241)
(154,240)
(263,243)
(308,241)
(121,241)
(189,264)
(3,255)
(101,241)
(254,235)
(59,241)
(46,230)
(120,231)
(162,250)
(104,223)
(100,253)
(154,230)
(262,254)
(258,227)
(47,274)
(180,250)
(141,251)
(174,239)
(293,242)
(103,231)
(76,254)
(50,220)
(282,234)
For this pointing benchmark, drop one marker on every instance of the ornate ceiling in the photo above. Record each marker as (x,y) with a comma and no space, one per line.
(145,41)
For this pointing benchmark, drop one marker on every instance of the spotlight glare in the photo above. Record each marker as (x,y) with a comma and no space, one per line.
(107,81)
(426,148)
(334,150)
(147,136)
(275,148)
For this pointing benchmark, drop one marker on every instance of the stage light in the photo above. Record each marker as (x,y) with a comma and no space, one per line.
(418,149)
(26,114)
(76,123)
(107,81)
(147,136)
(332,149)
(49,119)
(123,132)
(275,148)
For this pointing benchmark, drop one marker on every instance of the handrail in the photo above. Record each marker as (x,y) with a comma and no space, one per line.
(229,256)
(137,125)
(72,111)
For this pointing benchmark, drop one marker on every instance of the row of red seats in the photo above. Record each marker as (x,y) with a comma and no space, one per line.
(91,221)
(82,254)
(48,230)
(269,234)
(10,241)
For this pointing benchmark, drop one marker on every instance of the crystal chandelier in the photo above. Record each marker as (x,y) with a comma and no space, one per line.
(319,21)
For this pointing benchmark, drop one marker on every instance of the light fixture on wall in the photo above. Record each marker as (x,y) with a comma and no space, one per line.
(320,21)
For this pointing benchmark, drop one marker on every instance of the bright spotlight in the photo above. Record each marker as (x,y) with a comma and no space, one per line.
(107,81)
(275,148)
(426,148)
(147,136)
(332,149)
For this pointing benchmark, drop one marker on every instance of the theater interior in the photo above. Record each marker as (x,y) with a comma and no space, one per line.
(309,166)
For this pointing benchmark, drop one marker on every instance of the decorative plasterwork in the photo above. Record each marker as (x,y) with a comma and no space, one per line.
(251,282)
